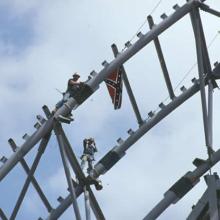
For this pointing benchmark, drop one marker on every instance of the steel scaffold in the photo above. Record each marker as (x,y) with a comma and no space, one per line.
(81,184)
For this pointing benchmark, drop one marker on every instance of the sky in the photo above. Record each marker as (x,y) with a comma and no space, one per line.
(42,43)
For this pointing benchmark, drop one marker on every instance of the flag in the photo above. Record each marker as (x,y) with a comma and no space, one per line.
(114,85)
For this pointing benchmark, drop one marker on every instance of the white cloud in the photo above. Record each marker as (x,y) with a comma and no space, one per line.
(73,35)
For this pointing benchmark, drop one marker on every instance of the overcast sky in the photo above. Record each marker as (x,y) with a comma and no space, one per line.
(43,42)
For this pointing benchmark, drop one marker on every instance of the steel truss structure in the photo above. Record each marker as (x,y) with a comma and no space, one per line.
(207,76)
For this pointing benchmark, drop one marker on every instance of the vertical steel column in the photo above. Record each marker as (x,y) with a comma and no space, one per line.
(33,180)
(93,83)
(87,205)
(162,60)
(208,71)
(210,113)
(72,158)
(199,207)
(61,143)
(128,88)
(95,206)
(40,152)
(198,39)
(213,197)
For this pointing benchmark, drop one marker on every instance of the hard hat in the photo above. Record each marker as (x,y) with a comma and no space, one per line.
(76,75)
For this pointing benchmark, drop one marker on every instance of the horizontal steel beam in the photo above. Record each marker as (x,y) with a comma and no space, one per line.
(183,186)
(94,82)
(118,151)
(56,213)
(23,192)
(113,156)
(143,41)
(44,130)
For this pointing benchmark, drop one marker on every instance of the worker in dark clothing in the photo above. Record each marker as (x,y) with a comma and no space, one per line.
(73,84)
(89,150)
(88,153)
(72,87)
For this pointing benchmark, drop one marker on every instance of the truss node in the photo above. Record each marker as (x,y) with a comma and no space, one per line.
(140,35)
(176,7)
(130,131)
(60,199)
(161,105)
(198,162)
(183,89)
(25,137)
(164,16)
(37,125)
(82,183)
(105,63)
(47,111)
(128,44)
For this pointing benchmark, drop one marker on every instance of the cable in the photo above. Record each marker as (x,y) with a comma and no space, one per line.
(190,70)
(194,65)
(156,6)
(145,21)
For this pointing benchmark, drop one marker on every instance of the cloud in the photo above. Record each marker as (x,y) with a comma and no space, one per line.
(47,41)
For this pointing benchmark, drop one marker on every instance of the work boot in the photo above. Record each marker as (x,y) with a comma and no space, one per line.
(98,185)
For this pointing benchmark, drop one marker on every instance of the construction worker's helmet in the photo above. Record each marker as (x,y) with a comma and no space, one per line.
(76,76)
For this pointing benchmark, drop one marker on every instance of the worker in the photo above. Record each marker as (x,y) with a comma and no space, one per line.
(90,149)
(73,86)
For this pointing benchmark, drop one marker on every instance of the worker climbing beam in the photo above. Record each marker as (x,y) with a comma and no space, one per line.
(113,156)
(94,82)
(81,177)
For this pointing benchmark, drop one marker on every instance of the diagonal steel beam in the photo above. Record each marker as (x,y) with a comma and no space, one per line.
(72,158)
(61,141)
(162,60)
(208,69)
(93,84)
(40,152)
(33,180)
(201,67)
(113,156)
(199,207)
(95,206)
(182,186)
(206,8)
(2,215)
(128,88)
(81,177)
(57,212)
